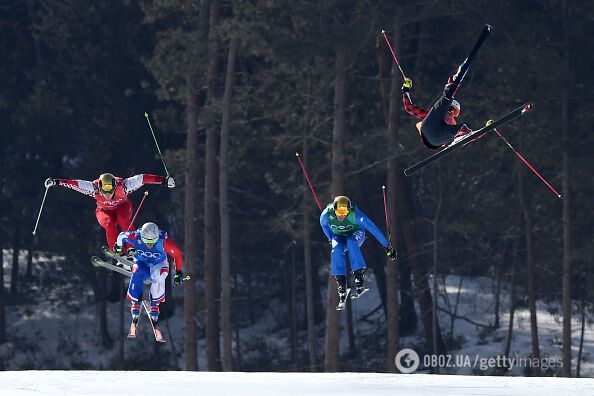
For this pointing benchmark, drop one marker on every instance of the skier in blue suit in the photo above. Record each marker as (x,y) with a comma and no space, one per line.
(345,225)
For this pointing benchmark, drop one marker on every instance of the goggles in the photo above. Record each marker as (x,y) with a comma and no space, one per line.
(150,241)
(107,188)
(341,211)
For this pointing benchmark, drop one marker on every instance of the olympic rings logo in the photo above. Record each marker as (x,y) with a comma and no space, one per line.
(150,255)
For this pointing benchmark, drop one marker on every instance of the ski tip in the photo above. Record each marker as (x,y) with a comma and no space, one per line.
(296,154)
(527,107)
(488,27)
(383,187)
(146,114)
(383,31)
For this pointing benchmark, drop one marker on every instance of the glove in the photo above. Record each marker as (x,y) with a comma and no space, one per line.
(117,249)
(391,253)
(489,122)
(170,182)
(49,182)
(178,278)
(407,85)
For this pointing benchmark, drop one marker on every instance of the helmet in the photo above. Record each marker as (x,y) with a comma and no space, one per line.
(342,205)
(455,105)
(149,233)
(107,182)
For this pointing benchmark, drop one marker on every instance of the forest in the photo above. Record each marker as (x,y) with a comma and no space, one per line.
(233,90)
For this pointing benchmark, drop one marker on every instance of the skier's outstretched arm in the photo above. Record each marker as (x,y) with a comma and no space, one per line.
(82,186)
(324,224)
(409,107)
(370,226)
(133,183)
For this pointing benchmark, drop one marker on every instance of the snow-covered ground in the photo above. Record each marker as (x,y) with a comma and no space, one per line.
(55,331)
(180,383)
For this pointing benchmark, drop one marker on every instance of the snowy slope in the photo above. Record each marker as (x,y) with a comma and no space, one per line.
(274,384)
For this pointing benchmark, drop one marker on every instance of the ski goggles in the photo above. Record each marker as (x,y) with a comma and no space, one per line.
(150,241)
(341,211)
(107,188)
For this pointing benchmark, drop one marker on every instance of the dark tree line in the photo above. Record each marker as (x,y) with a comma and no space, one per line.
(235,88)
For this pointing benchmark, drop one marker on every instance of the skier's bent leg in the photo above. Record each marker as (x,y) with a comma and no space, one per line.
(338,256)
(159,273)
(355,255)
(124,215)
(135,287)
(109,222)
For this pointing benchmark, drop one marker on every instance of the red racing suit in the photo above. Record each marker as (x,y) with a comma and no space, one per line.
(115,211)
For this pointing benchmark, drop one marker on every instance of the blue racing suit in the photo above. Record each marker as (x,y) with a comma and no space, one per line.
(348,237)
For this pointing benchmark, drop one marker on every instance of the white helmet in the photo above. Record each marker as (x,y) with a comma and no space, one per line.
(455,104)
(149,233)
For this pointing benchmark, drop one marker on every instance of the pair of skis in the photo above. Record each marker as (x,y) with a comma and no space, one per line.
(342,303)
(126,269)
(134,325)
(462,141)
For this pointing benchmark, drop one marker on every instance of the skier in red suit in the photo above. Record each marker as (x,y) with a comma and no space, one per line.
(111,193)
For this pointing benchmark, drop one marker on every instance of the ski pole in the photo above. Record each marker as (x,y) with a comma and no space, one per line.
(386,212)
(393,54)
(308,181)
(137,210)
(40,209)
(157,144)
(527,163)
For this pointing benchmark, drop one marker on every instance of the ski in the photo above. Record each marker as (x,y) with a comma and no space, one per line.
(342,304)
(466,65)
(356,295)
(97,262)
(120,259)
(462,141)
(156,330)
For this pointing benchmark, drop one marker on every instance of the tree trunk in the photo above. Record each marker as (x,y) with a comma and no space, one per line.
(309,287)
(417,263)
(190,198)
(498,270)
(121,326)
(224,211)
(30,249)
(16,247)
(102,305)
(392,303)
(565,128)
(2,300)
(211,259)
(434,309)
(331,346)
(529,269)
(583,322)
(512,302)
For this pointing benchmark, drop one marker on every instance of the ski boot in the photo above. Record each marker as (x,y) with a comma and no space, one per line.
(135,311)
(359,282)
(343,292)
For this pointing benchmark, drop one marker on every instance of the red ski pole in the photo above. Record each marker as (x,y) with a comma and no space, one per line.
(308,181)
(386,212)
(138,209)
(528,164)
(393,54)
